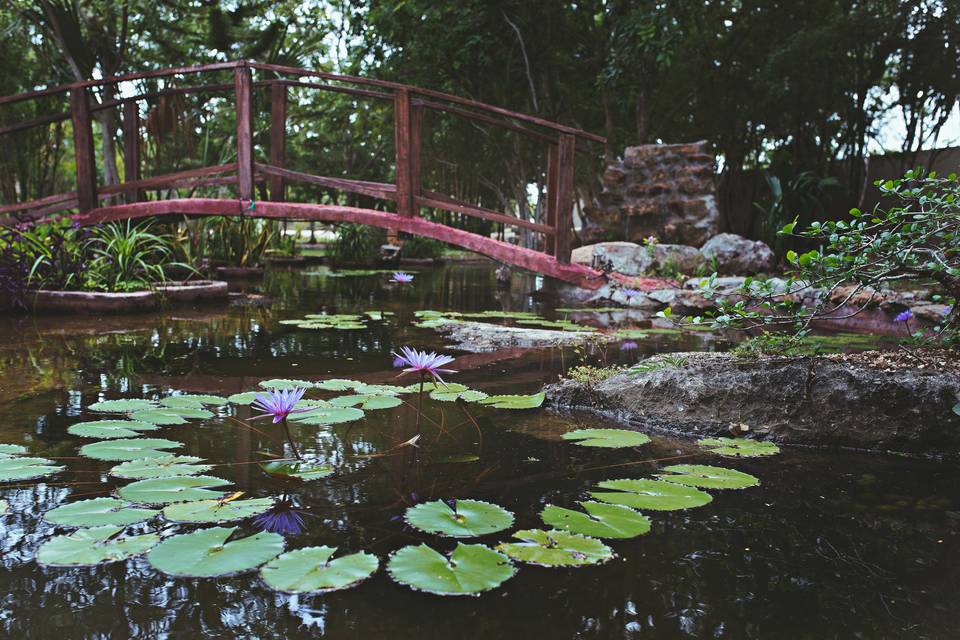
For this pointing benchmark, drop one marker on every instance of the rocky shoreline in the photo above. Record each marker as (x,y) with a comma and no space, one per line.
(817,401)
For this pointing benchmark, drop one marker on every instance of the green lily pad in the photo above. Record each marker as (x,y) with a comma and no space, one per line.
(367,402)
(98,512)
(328,415)
(468,518)
(26,468)
(122,406)
(610,438)
(338,384)
(310,570)
(12,450)
(515,402)
(207,554)
(656,495)
(601,520)
(129,448)
(163,417)
(454,392)
(216,511)
(470,570)
(739,447)
(707,477)
(176,489)
(193,400)
(89,547)
(286,383)
(164,467)
(186,412)
(304,471)
(556,549)
(110,428)
(247,397)
(380,389)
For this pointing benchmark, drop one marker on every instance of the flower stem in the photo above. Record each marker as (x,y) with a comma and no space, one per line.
(420,404)
(286,431)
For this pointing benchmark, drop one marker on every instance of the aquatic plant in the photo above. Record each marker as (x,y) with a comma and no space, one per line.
(98,512)
(470,570)
(459,518)
(556,549)
(89,547)
(609,438)
(313,570)
(283,518)
(601,520)
(423,363)
(739,447)
(279,404)
(400,277)
(207,554)
(216,511)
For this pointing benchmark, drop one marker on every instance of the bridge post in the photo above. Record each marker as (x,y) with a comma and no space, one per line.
(278,138)
(407,142)
(86,168)
(564,220)
(243,86)
(550,242)
(131,148)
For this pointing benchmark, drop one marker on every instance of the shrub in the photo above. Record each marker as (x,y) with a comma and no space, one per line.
(127,257)
(356,244)
(421,248)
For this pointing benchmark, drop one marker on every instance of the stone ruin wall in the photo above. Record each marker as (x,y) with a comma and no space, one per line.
(662,190)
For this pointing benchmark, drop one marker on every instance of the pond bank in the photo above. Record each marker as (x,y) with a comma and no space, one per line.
(838,401)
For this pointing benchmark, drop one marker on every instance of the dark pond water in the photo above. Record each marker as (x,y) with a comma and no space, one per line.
(831,545)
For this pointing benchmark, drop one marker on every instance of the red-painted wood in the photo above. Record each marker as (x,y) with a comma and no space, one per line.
(511,254)
(564,224)
(278,138)
(131,149)
(550,244)
(381,190)
(244,98)
(404,172)
(440,201)
(86,164)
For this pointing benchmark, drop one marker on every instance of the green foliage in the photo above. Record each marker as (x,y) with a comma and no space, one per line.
(418,247)
(470,570)
(356,244)
(127,257)
(556,549)
(207,554)
(601,520)
(314,570)
(460,518)
(98,512)
(592,376)
(88,547)
(609,438)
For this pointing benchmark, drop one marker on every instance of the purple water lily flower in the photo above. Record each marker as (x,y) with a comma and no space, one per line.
(282,518)
(629,345)
(903,316)
(401,277)
(424,363)
(279,403)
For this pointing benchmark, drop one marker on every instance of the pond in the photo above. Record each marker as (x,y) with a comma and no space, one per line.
(829,545)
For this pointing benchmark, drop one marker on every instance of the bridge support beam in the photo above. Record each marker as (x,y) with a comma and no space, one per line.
(131,149)
(86,163)
(566,150)
(406,129)
(243,85)
(278,139)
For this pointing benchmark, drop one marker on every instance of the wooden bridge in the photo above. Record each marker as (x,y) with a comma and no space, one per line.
(86,204)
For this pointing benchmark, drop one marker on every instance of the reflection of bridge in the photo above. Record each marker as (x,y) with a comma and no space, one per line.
(409,196)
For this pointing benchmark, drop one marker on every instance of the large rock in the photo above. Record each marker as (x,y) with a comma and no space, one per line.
(735,255)
(663,190)
(633,259)
(812,400)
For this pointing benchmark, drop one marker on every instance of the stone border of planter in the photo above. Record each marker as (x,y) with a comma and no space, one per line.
(43,301)
(193,291)
(286,261)
(240,273)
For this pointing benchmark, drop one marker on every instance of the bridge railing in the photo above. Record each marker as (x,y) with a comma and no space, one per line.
(407,191)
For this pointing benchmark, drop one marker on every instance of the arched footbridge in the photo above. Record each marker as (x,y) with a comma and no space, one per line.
(248,180)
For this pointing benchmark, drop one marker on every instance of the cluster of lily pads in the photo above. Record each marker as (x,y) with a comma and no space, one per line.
(431,319)
(342,321)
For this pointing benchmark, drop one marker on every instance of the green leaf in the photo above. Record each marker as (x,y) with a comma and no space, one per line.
(163,467)
(207,554)
(286,383)
(158,416)
(612,438)
(310,570)
(556,549)
(89,547)
(216,511)
(110,428)
(515,402)
(707,477)
(367,402)
(601,520)
(26,468)
(98,512)
(739,447)
(193,401)
(338,384)
(656,495)
(122,406)
(185,412)
(247,397)
(468,518)
(380,389)
(129,448)
(328,415)
(7,450)
(454,392)
(176,489)
(470,570)
(956,408)
(304,471)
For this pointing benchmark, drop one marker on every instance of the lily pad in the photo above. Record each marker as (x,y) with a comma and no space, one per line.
(453,392)
(286,383)
(304,471)
(110,428)
(739,447)
(311,570)
(707,477)
(380,389)
(193,400)
(367,402)
(26,468)
(338,384)
(656,495)
(98,512)
(176,489)
(158,416)
(167,466)
(247,397)
(122,406)
(601,520)
(89,547)
(556,549)
(12,450)
(129,448)
(610,438)
(207,554)
(470,570)
(216,511)
(186,412)
(465,519)
(515,402)
(328,415)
